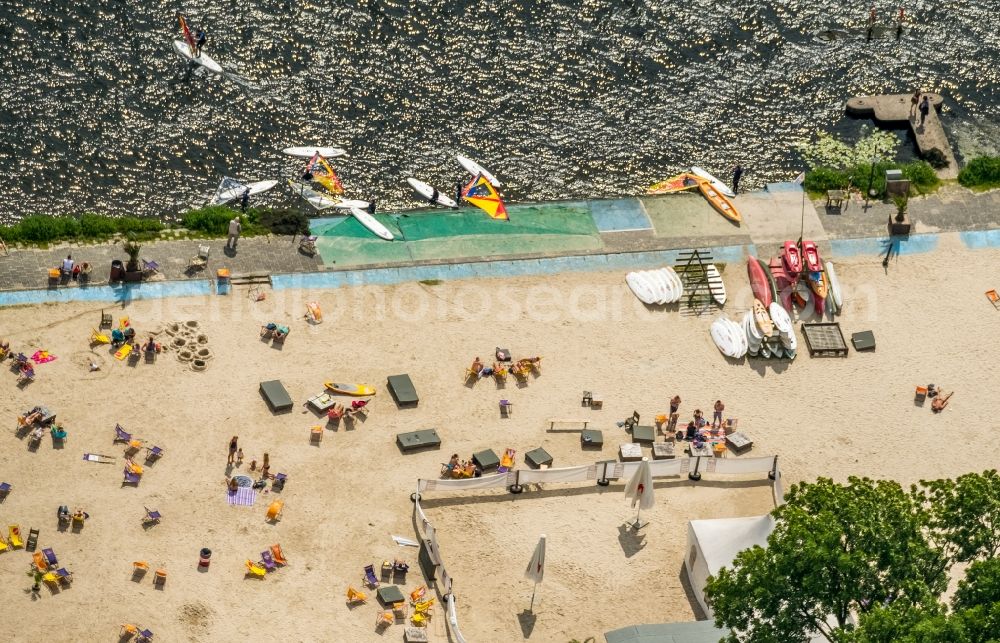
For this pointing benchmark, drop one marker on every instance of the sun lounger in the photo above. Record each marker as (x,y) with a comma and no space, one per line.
(106,320)
(279,556)
(3,544)
(121,435)
(274,510)
(276,396)
(201,259)
(153,453)
(160,576)
(129,477)
(402,389)
(58,433)
(145,636)
(64,575)
(99,458)
(14,536)
(384,619)
(123,352)
(97,337)
(413,440)
(38,560)
(50,556)
(279,481)
(267,561)
(5,488)
(50,578)
(150,268)
(32,540)
(418,593)
(152,516)
(506,461)
(994,298)
(369,577)
(354,596)
(255,570)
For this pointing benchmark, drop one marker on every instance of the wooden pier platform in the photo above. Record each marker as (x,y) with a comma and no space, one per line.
(896,108)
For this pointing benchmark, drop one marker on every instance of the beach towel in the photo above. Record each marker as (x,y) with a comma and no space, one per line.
(42,357)
(405,542)
(243,496)
(97,457)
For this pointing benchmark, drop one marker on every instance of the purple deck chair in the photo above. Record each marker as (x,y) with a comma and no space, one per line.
(50,557)
(152,515)
(370,576)
(64,575)
(130,478)
(152,453)
(121,435)
(145,635)
(268,561)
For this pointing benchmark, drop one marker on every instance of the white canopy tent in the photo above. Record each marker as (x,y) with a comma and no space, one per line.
(713,544)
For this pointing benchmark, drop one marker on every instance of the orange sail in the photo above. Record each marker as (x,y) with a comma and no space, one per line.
(329,180)
(480,193)
(187,35)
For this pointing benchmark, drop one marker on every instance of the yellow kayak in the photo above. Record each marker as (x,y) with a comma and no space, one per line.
(719,201)
(350,389)
(677,183)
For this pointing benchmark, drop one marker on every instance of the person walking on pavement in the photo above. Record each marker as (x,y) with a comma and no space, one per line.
(737,173)
(234,232)
(925,108)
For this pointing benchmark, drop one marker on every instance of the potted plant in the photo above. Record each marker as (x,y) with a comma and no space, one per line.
(132,248)
(37,577)
(901,225)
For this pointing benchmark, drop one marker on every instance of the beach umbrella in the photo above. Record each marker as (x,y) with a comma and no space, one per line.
(536,567)
(640,489)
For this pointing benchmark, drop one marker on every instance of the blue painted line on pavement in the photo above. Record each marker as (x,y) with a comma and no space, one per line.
(912,245)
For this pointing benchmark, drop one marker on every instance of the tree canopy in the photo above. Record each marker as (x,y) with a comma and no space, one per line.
(872,552)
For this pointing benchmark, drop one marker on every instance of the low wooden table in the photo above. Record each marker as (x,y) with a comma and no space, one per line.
(322,402)
(538,457)
(630,452)
(643,434)
(591,438)
(739,442)
(415,635)
(389,594)
(486,459)
(663,451)
(418,440)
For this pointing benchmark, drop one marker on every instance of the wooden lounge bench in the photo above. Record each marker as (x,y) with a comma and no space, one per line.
(414,440)
(486,459)
(592,438)
(276,396)
(538,457)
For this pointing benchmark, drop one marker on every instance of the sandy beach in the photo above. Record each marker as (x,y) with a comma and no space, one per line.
(348,495)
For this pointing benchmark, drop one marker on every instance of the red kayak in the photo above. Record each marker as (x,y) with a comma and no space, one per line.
(784,283)
(793,260)
(759,283)
(811,254)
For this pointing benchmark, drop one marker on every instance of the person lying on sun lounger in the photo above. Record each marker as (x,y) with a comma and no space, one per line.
(940,402)
(280,332)
(452,465)
(357,406)
(267,329)
(336,411)
(477,365)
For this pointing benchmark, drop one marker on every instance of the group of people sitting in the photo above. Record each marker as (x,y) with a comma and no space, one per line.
(503,365)
(274,331)
(460,469)
(65,516)
(73,270)
(338,410)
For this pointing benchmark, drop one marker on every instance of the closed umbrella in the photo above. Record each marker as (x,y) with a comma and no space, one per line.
(536,567)
(640,489)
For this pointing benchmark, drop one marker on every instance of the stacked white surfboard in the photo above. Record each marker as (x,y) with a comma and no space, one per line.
(729,337)
(656,287)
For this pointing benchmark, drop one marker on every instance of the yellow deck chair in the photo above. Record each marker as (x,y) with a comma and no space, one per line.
(3,544)
(14,535)
(123,323)
(98,337)
(384,619)
(254,569)
(123,352)
(51,578)
(423,606)
(129,629)
(420,619)
(354,596)
(274,511)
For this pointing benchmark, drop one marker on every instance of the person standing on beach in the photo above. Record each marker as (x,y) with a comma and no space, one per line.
(925,108)
(717,413)
(914,101)
(245,200)
(737,173)
(234,232)
(233,445)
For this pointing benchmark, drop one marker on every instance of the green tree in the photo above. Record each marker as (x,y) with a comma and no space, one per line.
(965,514)
(835,550)
(831,152)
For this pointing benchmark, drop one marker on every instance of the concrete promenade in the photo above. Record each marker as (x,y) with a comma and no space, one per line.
(676,221)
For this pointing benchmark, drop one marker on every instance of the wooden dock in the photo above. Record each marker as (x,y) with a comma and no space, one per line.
(897,108)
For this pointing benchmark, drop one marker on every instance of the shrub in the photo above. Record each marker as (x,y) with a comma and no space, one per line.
(822,179)
(282,221)
(981,172)
(212,219)
(40,228)
(922,176)
(95,225)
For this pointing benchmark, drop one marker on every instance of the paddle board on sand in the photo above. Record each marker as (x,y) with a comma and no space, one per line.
(715,284)
(716,183)
(427,191)
(474,168)
(350,389)
(640,287)
(372,224)
(202,59)
(235,193)
(307,151)
(834,284)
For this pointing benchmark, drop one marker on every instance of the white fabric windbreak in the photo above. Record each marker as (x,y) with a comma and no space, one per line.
(566,474)
(778,489)
(485,482)
(744,465)
(453,620)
